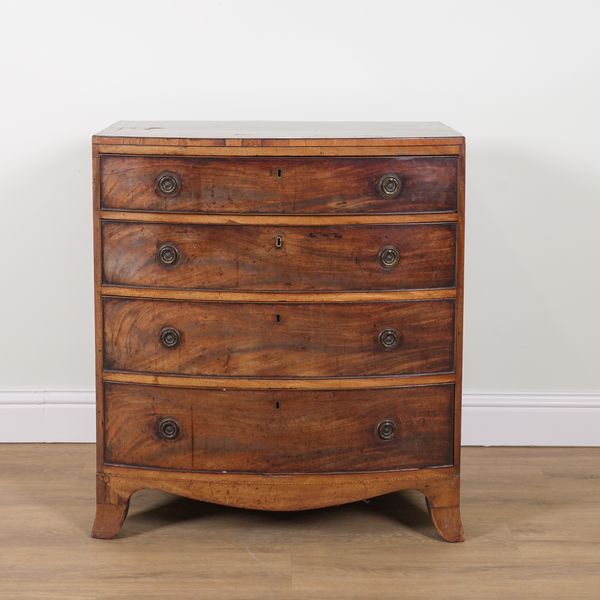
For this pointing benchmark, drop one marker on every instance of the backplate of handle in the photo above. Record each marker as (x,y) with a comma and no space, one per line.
(390,185)
(170,337)
(389,257)
(386,429)
(169,428)
(389,339)
(168,184)
(168,254)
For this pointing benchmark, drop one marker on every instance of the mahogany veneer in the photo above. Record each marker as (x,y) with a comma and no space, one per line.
(240,339)
(278,314)
(281,185)
(310,258)
(271,431)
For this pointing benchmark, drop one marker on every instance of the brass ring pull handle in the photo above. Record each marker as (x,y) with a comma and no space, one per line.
(169,429)
(170,337)
(389,339)
(389,257)
(168,184)
(390,185)
(386,429)
(168,254)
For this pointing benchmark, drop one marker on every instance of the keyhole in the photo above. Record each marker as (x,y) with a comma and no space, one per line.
(279,174)
(277,405)
(278,318)
(278,241)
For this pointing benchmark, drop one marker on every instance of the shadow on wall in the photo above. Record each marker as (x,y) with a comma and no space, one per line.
(531,277)
(47,248)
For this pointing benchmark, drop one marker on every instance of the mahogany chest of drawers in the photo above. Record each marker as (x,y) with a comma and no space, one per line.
(278,314)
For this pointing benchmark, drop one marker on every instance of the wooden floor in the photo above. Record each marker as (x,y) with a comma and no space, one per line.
(531,517)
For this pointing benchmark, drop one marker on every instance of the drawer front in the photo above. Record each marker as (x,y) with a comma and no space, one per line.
(279,185)
(266,258)
(286,431)
(279,339)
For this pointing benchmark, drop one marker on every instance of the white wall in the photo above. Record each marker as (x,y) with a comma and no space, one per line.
(520,79)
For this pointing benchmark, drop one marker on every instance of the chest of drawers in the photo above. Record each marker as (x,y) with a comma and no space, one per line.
(278,314)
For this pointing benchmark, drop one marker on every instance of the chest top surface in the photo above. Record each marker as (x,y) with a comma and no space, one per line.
(281,130)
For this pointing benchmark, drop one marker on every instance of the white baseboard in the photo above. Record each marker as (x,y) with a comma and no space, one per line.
(518,419)
(531,419)
(47,416)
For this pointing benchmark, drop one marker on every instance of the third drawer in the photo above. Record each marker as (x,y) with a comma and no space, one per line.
(243,339)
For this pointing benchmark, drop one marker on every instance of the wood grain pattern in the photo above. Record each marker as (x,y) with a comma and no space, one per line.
(98,313)
(111,509)
(298,491)
(232,133)
(279,340)
(279,185)
(459,307)
(176,147)
(263,258)
(294,220)
(279,432)
(269,296)
(440,486)
(279,383)
(531,519)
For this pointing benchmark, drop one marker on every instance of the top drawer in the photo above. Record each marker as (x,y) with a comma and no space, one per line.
(279,185)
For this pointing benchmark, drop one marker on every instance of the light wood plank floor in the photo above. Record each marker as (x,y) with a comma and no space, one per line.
(531,516)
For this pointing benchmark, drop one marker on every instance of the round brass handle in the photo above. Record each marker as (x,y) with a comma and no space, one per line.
(168,184)
(168,254)
(386,429)
(170,337)
(389,339)
(169,428)
(390,185)
(389,257)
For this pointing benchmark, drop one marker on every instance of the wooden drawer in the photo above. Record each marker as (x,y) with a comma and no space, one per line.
(279,339)
(279,431)
(279,185)
(286,258)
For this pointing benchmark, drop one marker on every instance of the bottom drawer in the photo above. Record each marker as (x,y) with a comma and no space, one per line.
(279,431)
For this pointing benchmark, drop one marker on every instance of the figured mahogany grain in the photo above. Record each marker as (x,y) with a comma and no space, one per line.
(279,340)
(279,431)
(278,258)
(279,185)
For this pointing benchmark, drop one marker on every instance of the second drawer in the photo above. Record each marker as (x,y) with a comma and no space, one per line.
(241,339)
(285,258)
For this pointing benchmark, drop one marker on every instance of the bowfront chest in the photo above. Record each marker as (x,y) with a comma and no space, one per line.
(278,314)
